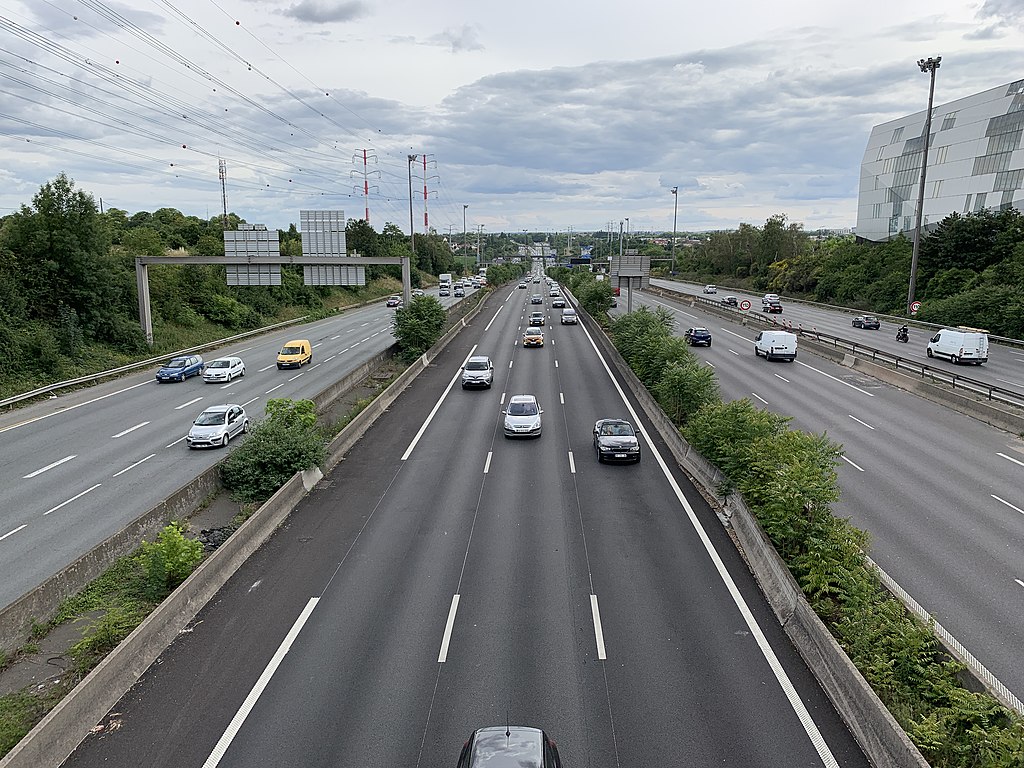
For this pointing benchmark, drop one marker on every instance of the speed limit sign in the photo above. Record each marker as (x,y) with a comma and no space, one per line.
(744,305)
(915,306)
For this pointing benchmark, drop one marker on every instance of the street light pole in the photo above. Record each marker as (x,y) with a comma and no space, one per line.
(675,210)
(465,245)
(927,65)
(407,261)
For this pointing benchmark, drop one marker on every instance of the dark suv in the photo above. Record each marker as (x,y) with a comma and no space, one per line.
(513,746)
(697,336)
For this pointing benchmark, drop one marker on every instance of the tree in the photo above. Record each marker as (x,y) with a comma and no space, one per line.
(417,326)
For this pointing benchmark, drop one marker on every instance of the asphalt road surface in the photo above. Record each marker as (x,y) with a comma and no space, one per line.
(445,578)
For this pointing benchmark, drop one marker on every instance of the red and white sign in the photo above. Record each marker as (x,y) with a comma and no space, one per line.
(915,306)
(744,305)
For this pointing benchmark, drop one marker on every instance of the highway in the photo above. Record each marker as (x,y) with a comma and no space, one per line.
(444,578)
(78,468)
(942,494)
(1005,367)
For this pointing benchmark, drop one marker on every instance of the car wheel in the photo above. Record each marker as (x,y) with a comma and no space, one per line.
(757,352)
(224,440)
(929,352)
(768,356)
(279,366)
(182,377)
(709,344)
(243,371)
(954,359)
(245,427)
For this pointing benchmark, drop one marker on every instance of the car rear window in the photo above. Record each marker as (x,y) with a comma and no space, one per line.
(521,749)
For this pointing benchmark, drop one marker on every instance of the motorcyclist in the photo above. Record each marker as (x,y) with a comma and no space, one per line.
(903,333)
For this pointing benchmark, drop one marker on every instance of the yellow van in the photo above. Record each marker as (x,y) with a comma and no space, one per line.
(295,354)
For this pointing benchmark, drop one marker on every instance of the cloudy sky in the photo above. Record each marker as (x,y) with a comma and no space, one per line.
(539,115)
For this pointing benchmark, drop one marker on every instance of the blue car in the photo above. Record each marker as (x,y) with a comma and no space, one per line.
(180,368)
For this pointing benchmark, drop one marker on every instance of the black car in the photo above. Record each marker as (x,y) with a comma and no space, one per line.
(697,336)
(536,299)
(731,301)
(866,321)
(615,440)
(772,306)
(509,746)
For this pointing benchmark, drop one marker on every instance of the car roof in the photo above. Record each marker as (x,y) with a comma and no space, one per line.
(229,357)
(613,421)
(523,399)
(478,358)
(221,408)
(698,328)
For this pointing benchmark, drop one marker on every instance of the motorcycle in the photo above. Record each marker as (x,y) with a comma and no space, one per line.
(903,335)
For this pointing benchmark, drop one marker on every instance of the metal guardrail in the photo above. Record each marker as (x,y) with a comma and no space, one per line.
(944,376)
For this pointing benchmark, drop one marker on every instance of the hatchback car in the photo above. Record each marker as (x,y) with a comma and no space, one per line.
(615,440)
(536,299)
(509,746)
(459,291)
(558,302)
(522,417)
(772,307)
(394,300)
(417,291)
(216,426)
(569,316)
(180,368)
(866,321)
(731,301)
(444,291)
(710,289)
(479,372)
(769,297)
(522,285)
(534,337)
(536,318)
(554,291)
(697,337)
(223,369)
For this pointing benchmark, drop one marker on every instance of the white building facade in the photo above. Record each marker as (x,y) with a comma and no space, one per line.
(975,161)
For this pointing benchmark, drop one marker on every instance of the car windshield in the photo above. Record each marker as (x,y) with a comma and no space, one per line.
(220,364)
(870,319)
(476,365)
(619,430)
(178,362)
(211,418)
(522,409)
(294,350)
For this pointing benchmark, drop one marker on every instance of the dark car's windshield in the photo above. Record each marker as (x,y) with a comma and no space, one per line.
(619,430)
(522,409)
(207,419)
(178,362)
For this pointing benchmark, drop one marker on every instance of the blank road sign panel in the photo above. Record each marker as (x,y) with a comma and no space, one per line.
(333,274)
(323,234)
(253,274)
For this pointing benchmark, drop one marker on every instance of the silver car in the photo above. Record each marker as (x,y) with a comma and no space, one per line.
(217,425)
(223,369)
(522,416)
(479,372)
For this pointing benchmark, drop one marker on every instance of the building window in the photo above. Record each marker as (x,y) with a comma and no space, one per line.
(881,151)
(967,204)
(979,201)
(948,121)
(876,211)
(1007,201)
(897,135)
(1008,180)
(1014,87)
(889,165)
(937,188)
(986,164)
(1004,142)
(940,154)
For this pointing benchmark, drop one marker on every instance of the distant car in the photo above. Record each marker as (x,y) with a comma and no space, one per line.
(394,301)
(522,285)
(500,746)
(730,301)
(554,291)
(710,289)
(216,426)
(223,369)
(615,440)
(180,368)
(479,372)
(558,303)
(536,318)
(869,322)
(770,297)
(569,316)
(772,307)
(536,279)
(295,354)
(459,291)
(417,291)
(444,291)
(536,299)
(534,337)
(522,417)
(697,336)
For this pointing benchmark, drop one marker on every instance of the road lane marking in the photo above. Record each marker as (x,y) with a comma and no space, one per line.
(186,405)
(502,401)
(759,398)
(487,463)
(250,701)
(733,351)
(863,423)
(317,365)
(266,368)
(437,405)
(73,498)
(778,671)
(335,337)
(782,377)
(171,445)
(442,657)
(317,344)
(364,325)
(830,376)
(488,326)
(1017,580)
(57,463)
(598,632)
(510,364)
(330,358)
(556,363)
(293,378)
(250,400)
(273,388)
(1010,458)
(133,466)
(572,464)
(11,533)
(73,407)
(561,398)
(1004,501)
(859,469)
(130,429)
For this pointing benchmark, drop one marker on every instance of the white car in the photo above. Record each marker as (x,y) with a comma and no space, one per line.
(710,289)
(770,298)
(223,369)
(522,417)
(216,426)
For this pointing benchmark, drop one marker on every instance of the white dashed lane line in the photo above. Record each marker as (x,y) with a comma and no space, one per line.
(862,423)
(57,463)
(759,398)
(859,469)
(186,405)
(11,533)
(129,430)
(133,466)
(487,463)
(1010,458)
(1004,501)
(73,498)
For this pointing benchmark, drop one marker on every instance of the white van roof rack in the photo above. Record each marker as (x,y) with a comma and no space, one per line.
(971,330)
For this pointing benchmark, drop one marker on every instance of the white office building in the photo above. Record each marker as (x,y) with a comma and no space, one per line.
(975,161)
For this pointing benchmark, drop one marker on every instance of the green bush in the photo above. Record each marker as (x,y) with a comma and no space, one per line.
(418,326)
(168,561)
(684,388)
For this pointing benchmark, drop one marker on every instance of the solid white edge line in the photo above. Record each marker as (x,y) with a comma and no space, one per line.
(437,405)
(488,326)
(49,466)
(11,533)
(133,466)
(73,498)
(572,464)
(1004,501)
(442,657)
(824,753)
(858,468)
(250,701)
(487,463)
(598,631)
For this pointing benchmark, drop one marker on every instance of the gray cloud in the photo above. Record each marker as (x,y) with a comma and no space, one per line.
(325,11)
(1009,10)
(458,40)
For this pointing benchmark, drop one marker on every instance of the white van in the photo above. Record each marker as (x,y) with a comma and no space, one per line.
(960,345)
(780,345)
